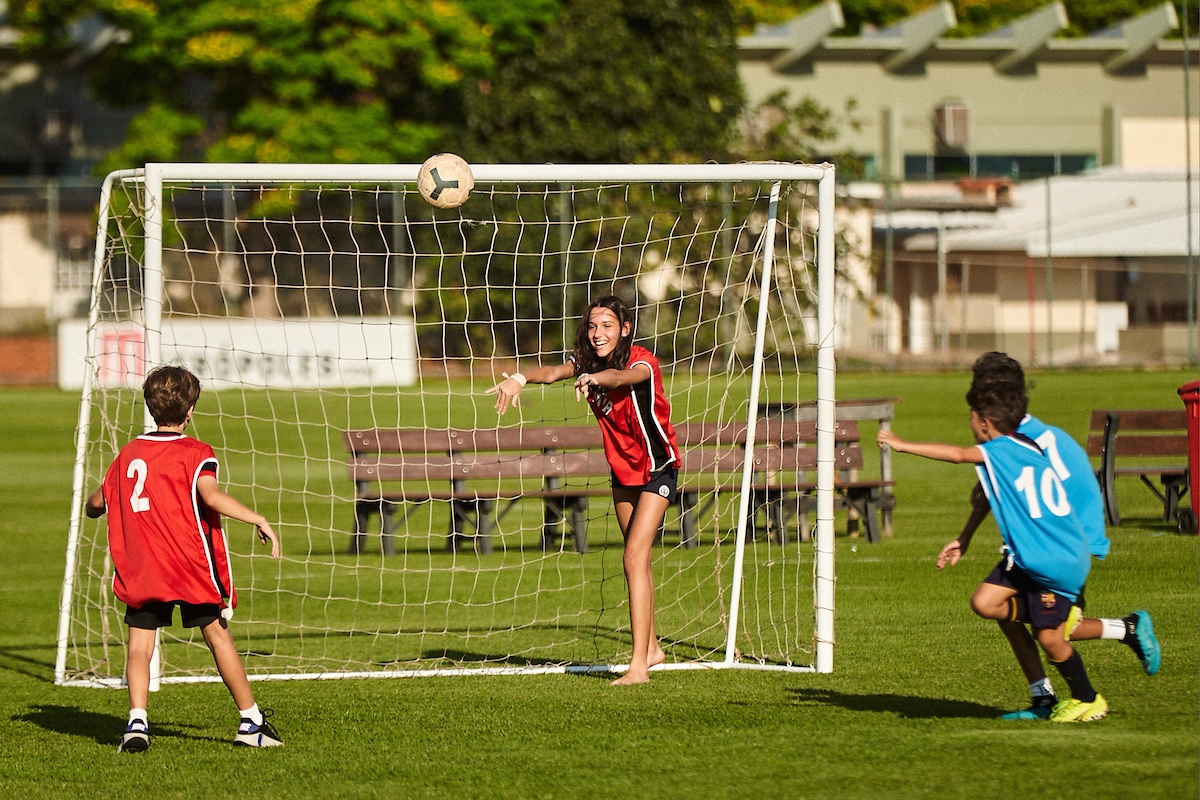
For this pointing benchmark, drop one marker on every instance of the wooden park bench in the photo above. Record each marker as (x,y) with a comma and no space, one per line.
(1152,444)
(562,466)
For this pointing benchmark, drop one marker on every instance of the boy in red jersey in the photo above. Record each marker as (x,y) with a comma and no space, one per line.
(624,386)
(164,535)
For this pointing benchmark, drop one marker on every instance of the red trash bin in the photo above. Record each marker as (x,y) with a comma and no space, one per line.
(1190,394)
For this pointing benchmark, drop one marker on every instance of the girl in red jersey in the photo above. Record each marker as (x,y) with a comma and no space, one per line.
(623,384)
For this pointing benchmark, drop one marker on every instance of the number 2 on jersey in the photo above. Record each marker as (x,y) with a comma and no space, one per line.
(138,470)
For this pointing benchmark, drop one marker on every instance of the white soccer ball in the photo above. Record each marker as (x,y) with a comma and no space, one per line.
(445,180)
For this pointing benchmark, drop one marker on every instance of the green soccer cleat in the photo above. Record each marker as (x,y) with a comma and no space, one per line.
(1072,710)
(1035,711)
(1074,617)
(1143,642)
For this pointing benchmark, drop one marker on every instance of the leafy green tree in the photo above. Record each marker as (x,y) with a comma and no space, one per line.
(275,81)
(612,80)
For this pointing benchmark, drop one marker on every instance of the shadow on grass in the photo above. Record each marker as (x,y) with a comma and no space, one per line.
(904,706)
(105,729)
(32,661)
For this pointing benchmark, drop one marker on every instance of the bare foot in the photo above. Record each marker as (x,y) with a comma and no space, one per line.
(656,656)
(631,677)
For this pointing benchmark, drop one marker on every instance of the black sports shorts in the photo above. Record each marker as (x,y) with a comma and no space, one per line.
(664,483)
(1047,609)
(158,614)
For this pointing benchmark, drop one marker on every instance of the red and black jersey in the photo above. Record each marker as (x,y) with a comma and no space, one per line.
(166,545)
(639,439)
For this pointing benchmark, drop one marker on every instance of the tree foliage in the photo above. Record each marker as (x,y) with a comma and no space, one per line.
(276,80)
(394,80)
(614,80)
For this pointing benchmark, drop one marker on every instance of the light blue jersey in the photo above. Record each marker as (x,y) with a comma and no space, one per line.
(1034,514)
(1079,479)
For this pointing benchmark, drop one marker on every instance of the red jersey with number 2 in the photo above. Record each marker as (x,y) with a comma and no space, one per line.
(166,545)
(639,439)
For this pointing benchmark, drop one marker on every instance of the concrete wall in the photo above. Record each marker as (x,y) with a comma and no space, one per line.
(1058,108)
(26,273)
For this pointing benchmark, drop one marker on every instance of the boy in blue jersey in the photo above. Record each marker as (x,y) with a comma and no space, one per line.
(1073,467)
(1046,548)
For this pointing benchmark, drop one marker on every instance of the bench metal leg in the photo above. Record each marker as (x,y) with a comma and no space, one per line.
(387,513)
(483,526)
(461,513)
(869,519)
(1107,474)
(458,525)
(362,518)
(578,521)
(363,509)
(1174,487)
(776,518)
(687,519)
(867,504)
(552,515)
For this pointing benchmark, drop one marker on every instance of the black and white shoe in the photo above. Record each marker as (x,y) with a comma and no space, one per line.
(251,735)
(136,738)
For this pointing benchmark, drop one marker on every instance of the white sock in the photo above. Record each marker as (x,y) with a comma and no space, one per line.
(138,714)
(1041,688)
(253,714)
(1112,629)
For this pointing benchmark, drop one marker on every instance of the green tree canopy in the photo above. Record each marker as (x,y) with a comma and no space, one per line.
(394,80)
(276,80)
(613,80)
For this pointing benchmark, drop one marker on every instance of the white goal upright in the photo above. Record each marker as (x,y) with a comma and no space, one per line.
(316,299)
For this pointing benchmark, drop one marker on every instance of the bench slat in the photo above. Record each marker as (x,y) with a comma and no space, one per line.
(1142,419)
(1141,445)
(1150,445)
(504,466)
(578,437)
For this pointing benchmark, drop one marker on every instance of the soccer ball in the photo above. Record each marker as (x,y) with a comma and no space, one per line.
(445,180)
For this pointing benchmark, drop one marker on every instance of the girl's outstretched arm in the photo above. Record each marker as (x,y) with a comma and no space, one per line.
(611,378)
(508,391)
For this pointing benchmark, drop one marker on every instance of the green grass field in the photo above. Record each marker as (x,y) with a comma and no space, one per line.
(910,710)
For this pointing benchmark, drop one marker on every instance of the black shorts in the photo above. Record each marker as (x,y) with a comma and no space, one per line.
(664,483)
(158,614)
(1047,609)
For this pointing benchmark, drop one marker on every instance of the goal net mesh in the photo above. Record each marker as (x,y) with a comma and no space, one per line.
(308,310)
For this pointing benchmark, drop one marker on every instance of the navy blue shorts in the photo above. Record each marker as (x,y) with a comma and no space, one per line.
(1047,609)
(158,614)
(664,484)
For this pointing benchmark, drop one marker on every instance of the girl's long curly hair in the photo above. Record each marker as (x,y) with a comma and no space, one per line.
(586,359)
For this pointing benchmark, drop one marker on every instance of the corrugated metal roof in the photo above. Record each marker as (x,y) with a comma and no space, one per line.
(1105,213)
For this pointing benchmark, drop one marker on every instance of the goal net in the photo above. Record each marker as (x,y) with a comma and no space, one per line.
(316,300)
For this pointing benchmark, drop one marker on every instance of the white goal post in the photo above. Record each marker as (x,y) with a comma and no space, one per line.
(316,299)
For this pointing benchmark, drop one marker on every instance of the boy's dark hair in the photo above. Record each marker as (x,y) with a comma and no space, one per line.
(996,366)
(170,392)
(1002,403)
(586,359)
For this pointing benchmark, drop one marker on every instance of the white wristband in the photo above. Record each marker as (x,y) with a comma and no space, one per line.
(519,378)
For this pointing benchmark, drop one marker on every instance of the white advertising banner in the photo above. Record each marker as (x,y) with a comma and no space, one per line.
(252,353)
